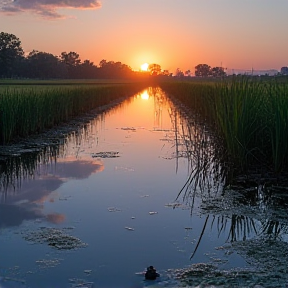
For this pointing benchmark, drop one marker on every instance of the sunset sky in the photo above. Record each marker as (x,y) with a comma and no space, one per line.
(237,34)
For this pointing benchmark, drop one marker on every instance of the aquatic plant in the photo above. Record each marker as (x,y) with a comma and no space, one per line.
(250,115)
(27,110)
(197,142)
(19,161)
(56,238)
(276,121)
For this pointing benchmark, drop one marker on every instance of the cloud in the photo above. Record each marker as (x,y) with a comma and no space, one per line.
(46,8)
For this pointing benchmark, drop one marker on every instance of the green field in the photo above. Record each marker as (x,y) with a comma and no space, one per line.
(28,107)
(249,114)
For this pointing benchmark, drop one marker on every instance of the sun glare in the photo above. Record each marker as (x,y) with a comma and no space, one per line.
(144,67)
(145,95)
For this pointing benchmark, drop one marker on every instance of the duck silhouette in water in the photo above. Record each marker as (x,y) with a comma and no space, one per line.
(151,273)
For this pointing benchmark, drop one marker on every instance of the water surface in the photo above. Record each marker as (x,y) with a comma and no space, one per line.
(112,193)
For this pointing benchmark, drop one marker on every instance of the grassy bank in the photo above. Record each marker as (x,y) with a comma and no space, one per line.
(27,109)
(250,116)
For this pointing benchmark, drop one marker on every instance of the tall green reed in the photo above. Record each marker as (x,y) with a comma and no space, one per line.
(238,112)
(250,115)
(277,124)
(31,110)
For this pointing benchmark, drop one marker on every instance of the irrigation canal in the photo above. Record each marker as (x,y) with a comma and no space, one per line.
(101,206)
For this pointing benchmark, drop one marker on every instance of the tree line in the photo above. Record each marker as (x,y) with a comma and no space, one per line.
(37,64)
(204,70)
(201,70)
(42,65)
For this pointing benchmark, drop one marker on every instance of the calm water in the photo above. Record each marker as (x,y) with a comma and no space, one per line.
(112,194)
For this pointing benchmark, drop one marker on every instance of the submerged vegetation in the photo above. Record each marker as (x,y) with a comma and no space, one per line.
(249,115)
(32,109)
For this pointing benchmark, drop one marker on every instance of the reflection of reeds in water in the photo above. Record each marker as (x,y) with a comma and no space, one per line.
(206,180)
(244,227)
(249,114)
(196,142)
(21,161)
(273,228)
(200,237)
(17,168)
(32,110)
(241,227)
(193,140)
(256,217)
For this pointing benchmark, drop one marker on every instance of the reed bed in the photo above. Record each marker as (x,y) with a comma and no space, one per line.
(24,111)
(250,116)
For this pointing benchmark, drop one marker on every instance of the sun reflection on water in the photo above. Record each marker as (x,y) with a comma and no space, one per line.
(145,95)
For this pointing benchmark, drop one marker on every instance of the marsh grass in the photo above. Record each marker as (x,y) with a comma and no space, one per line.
(250,115)
(277,123)
(25,110)
(238,113)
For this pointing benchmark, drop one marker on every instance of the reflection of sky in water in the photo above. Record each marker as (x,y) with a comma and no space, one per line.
(30,196)
(80,191)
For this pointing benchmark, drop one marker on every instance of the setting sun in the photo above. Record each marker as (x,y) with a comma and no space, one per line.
(144,67)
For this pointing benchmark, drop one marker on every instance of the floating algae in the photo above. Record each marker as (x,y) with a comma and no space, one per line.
(109,154)
(129,228)
(56,238)
(270,256)
(129,129)
(77,283)
(258,226)
(48,263)
(209,275)
(113,209)
(153,213)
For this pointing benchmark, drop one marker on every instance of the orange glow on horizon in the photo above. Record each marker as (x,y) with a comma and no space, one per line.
(180,45)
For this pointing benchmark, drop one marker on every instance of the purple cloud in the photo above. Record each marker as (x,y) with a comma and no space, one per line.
(46,8)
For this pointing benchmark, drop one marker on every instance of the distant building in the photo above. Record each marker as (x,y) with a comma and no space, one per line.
(284,71)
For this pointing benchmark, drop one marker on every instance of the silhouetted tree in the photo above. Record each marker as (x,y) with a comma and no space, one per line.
(154,69)
(72,62)
(188,73)
(88,69)
(71,58)
(102,63)
(44,65)
(166,73)
(113,69)
(179,73)
(202,70)
(11,53)
(218,72)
